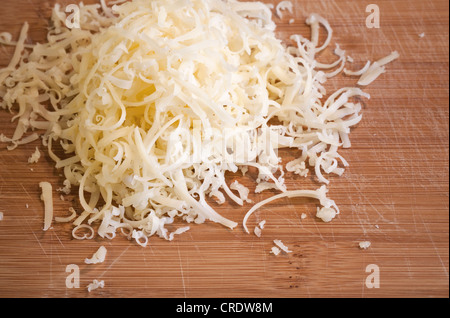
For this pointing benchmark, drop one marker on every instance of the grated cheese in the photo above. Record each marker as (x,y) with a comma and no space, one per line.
(364,245)
(155,101)
(89,236)
(275,250)
(376,69)
(47,197)
(178,232)
(66,219)
(262,224)
(35,156)
(98,257)
(325,213)
(95,285)
(67,186)
(242,190)
(284,5)
(283,247)
(1,216)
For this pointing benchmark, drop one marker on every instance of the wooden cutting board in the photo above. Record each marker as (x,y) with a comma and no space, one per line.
(394,194)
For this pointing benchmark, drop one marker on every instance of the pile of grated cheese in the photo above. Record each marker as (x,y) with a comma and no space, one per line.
(154,101)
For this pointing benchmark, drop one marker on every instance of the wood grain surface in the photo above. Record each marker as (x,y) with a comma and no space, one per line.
(394,194)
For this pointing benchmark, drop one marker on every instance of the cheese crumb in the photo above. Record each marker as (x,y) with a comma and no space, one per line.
(262,224)
(284,5)
(98,257)
(96,284)
(48,203)
(35,156)
(364,245)
(275,250)
(66,188)
(326,214)
(282,246)
(1,216)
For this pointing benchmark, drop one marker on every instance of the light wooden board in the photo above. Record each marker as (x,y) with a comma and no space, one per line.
(398,180)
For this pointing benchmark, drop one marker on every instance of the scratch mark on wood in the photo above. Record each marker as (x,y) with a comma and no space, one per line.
(181,270)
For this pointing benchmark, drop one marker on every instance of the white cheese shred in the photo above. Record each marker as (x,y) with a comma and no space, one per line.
(35,156)
(178,232)
(85,236)
(282,6)
(67,219)
(98,257)
(281,246)
(320,194)
(47,198)
(376,69)
(95,285)
(364,245)
(154,102)
(275,250)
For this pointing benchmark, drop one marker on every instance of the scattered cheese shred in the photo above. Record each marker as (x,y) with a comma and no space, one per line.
(95,285)
(283,247)
(284,5)
(262,224)
(98,257)
(364,245)
(155,101)
(35,156)
(67,186)
(320,194)
(376,69)
(326,214)
(258,229)
(242,190)
(275,250)
(178,232)
(48,203)
(1,216)
(85,236)
(67,219)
